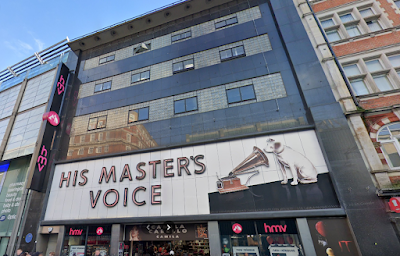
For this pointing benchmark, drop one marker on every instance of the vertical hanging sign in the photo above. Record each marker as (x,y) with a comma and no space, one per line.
(55,102)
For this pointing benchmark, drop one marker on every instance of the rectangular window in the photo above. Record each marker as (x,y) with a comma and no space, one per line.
(183,66)
(90,151)
(373,65)
(138,115)
(351,70)
(106,59)
(240,94)
(333,35)
(395,60)
(181,36)
(98,150)
(359,87)
(353,30)
(232,53)
(106,148)
(346,17)
(366,12)
(97,123)
(225,23)
(382,82)
(102,86)
(374,25)
(327,23)
(141,76)
(185,105)
(80,151)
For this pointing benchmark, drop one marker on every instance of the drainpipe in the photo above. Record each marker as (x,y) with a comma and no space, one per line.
(334,56)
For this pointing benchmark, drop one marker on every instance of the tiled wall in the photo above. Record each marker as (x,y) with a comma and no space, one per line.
(3,127)
(214,98)
(24,134)
(7,101)
(37,91)
(202,59)
(159,42)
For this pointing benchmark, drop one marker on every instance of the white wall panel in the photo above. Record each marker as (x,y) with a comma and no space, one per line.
(180,195)
(7,100)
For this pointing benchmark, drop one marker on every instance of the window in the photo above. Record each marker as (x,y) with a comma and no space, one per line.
(240,94)
(102,86)
(92,137)
(366,12)
(97,123)
(138,115)
(359,86)
(327,23)
(106,59)
(333,35)
(389,136)
(98,150)
(351,70)
(225,23)
(128,137)
(232,53)
(353,30)
(346,17)
(70,152)
(82,138)
(80,151)
(183,66)
(101,136)
(374,25)
(90,151)
(395,60)
(373,65)
(382,82)
(181,36)
(105,148)
(185,105)
(141,76)
(142,48)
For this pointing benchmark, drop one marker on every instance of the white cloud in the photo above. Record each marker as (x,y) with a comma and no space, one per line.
(25,46)
(39,44)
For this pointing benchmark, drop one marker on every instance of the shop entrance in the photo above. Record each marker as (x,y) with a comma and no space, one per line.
(160,239)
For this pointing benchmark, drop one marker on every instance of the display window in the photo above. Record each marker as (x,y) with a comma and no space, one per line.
(160,239)
(260,238)
(85,240)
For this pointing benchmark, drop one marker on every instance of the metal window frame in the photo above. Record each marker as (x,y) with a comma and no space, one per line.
(148,116)
(140,76)
(97,123)
(232,57)
(183,69)
(187,111)
(226,25)
(240,93)
(106,59)
(181,38)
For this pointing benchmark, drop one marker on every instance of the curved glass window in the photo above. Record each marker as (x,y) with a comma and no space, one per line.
(389,137)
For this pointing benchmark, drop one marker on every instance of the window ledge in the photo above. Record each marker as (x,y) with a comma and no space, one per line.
(231,58)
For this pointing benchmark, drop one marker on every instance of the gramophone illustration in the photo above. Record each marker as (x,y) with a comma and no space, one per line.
(231,183)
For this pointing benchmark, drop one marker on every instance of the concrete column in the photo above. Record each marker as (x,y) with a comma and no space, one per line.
(214,238)
(60,240)
(116,237)
(306,239)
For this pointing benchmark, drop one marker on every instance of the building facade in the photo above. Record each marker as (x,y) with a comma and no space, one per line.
(360,55)
(209,128)
(27,91)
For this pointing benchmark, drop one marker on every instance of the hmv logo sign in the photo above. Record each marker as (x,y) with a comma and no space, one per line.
(275,228)
(75,232)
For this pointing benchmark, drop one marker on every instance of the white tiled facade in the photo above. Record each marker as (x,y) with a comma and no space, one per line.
(159,42)
(202,59)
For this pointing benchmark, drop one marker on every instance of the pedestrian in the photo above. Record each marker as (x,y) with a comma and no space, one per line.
(19,252)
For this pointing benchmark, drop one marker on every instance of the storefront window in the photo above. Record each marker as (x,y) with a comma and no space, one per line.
(160,239)
(85,240)
(260,238)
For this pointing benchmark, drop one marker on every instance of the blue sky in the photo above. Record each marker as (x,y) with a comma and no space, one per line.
(29,26)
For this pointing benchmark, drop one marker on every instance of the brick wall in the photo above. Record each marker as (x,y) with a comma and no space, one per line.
(383,101)
(321,6)
(367,44)
(390,8)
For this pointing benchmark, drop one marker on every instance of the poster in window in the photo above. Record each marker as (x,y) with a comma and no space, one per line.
(245,251)
(332,235)
(76,250)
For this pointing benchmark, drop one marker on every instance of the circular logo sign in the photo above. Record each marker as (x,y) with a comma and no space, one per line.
(28,238)
(99,231)
(2,217)
(237,228)
(51,117)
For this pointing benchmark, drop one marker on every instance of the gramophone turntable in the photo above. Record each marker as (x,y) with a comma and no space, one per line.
(231,183)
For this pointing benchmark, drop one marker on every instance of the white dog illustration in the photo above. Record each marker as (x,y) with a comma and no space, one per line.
(301,168)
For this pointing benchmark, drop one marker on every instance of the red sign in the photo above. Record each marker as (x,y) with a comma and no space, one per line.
(99,231)
(51,117)
(237,228)
(394,204)
(274,228)
(75,232)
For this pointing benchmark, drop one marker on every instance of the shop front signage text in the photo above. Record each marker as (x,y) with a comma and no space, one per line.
(75,232)
(155,194)
(274,228)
